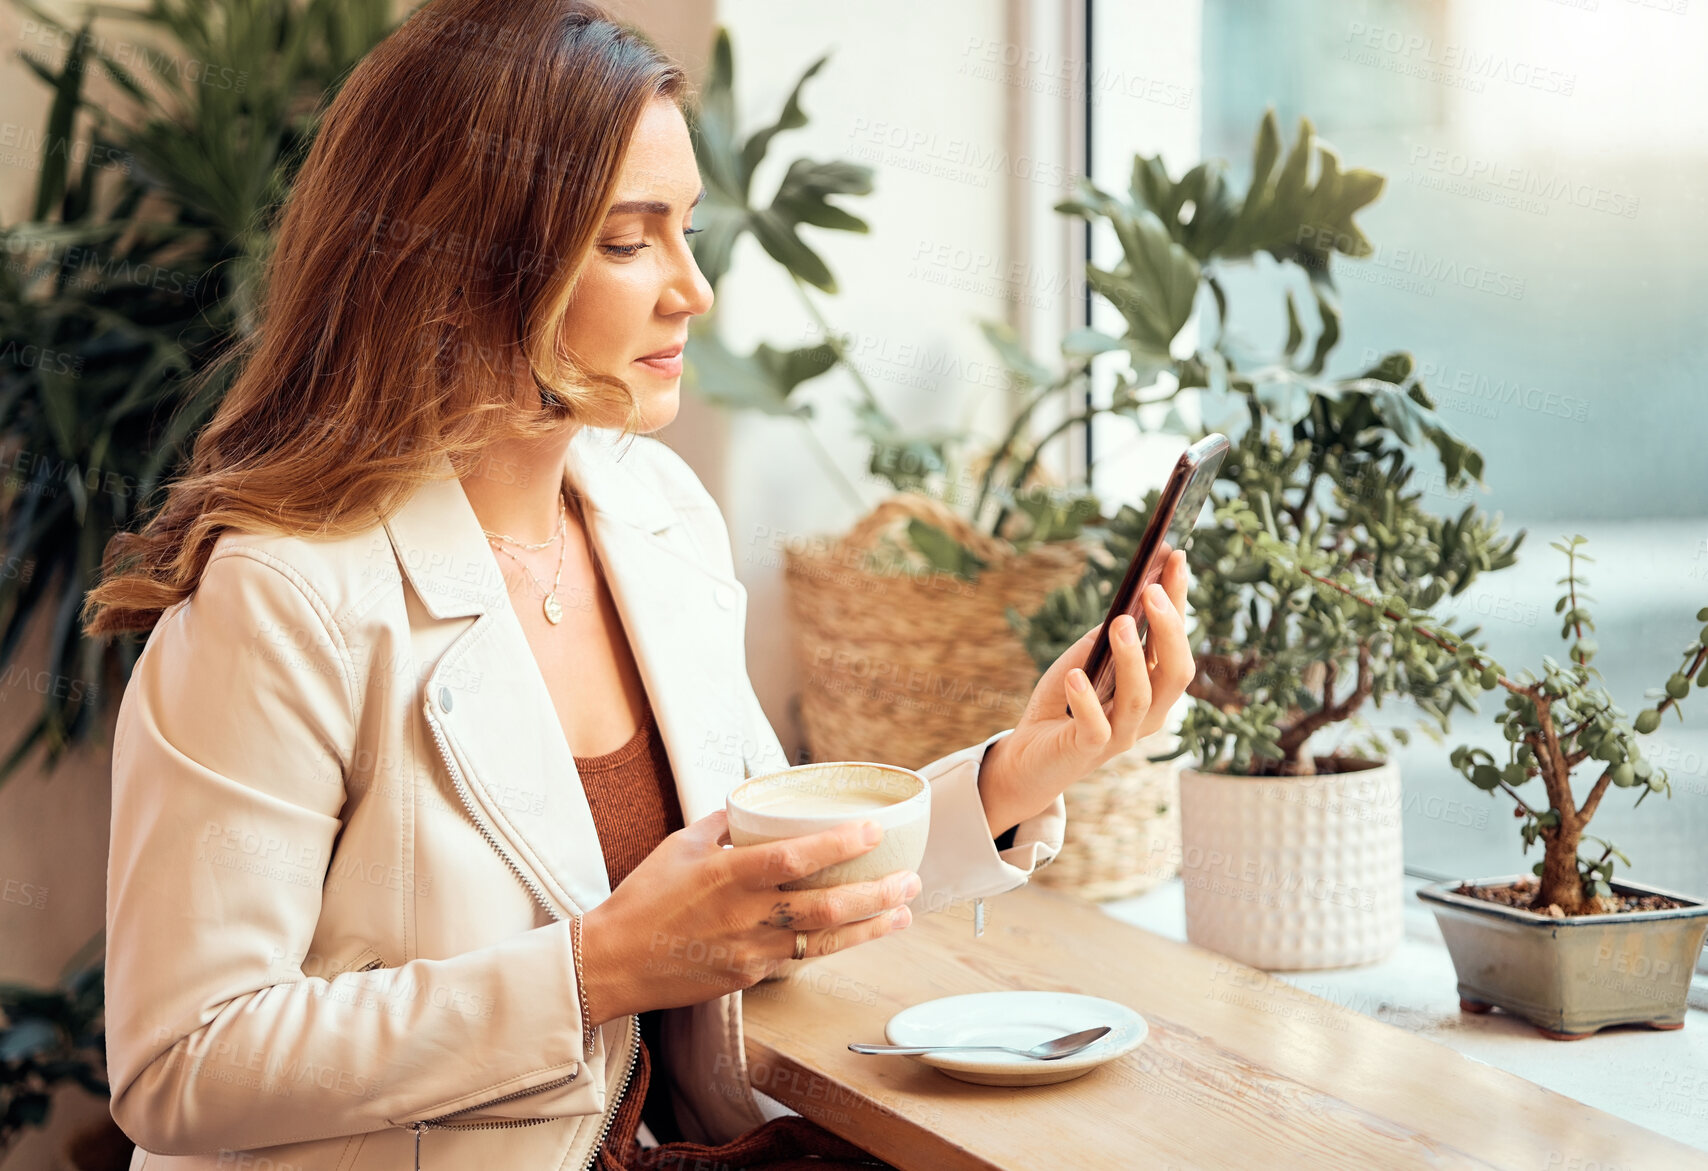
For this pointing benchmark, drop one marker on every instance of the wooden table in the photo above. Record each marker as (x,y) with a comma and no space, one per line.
(1241,1070)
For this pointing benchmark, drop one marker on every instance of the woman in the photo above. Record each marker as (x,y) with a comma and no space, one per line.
(418,781)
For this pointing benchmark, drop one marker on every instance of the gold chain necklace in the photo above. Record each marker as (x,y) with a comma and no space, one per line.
(552,607)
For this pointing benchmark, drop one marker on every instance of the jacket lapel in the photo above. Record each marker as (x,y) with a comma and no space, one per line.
(486,699)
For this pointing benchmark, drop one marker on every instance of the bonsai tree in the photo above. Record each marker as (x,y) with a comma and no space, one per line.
(1554,724)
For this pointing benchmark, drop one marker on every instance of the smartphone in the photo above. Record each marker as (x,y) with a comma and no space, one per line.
(1169,528)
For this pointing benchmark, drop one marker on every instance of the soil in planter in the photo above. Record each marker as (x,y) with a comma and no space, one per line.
(1324,765)
(1522,894)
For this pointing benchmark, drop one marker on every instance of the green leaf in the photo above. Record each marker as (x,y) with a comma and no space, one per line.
(761,381)
(942,551)
(803,196)
(1007,345)
(1154,285)
(1329,313)
(1085,342)
(1297,219)
(777,236)
(792,117)
(56,138)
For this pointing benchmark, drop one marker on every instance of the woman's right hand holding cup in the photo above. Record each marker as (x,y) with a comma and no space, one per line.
(696,920)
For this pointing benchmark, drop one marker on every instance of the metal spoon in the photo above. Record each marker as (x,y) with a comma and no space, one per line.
(1047,1051)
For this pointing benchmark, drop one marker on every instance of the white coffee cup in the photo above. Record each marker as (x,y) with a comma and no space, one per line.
(810,798)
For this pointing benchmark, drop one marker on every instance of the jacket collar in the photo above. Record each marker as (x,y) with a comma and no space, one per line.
(684,620)
(445,554)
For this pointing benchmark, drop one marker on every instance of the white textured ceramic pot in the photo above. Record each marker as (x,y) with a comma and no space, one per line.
(1292,873)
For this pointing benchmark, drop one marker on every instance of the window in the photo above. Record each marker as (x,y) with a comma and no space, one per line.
(1540,245)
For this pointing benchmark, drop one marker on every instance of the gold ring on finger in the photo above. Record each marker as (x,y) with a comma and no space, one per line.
(800,945)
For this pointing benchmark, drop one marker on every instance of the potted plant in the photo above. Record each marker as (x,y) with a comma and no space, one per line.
(1568,947)
(1290,855)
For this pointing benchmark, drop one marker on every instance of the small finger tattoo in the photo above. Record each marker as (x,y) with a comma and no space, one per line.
(781,916)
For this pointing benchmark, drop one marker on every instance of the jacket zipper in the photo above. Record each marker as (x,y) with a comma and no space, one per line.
(611,1112)
(479,822)
(540,897)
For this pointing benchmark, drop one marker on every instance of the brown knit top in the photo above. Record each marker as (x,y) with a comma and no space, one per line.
(632,793)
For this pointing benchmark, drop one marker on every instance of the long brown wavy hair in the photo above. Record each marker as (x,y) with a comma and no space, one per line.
(413,301)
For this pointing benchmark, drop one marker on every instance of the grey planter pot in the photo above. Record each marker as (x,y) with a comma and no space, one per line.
(1571,977)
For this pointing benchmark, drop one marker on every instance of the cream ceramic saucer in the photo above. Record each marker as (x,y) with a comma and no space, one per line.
(1020,1019)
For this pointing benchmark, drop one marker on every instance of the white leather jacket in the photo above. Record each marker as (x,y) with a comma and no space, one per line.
(347,835)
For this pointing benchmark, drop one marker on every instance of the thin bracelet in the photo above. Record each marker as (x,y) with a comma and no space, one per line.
(588,1029)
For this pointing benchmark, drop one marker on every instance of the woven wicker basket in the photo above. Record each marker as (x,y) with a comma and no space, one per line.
(906,667)
(1123,825)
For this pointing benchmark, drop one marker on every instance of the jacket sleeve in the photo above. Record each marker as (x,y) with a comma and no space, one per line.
(961,857)
(233,738)
(962,860)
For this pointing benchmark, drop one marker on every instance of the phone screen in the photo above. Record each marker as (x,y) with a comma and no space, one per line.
(1177,509)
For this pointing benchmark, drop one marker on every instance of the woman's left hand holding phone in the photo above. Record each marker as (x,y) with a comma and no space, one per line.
(1048,751)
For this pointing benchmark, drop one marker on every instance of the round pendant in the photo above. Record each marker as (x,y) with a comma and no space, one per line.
(554,611)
